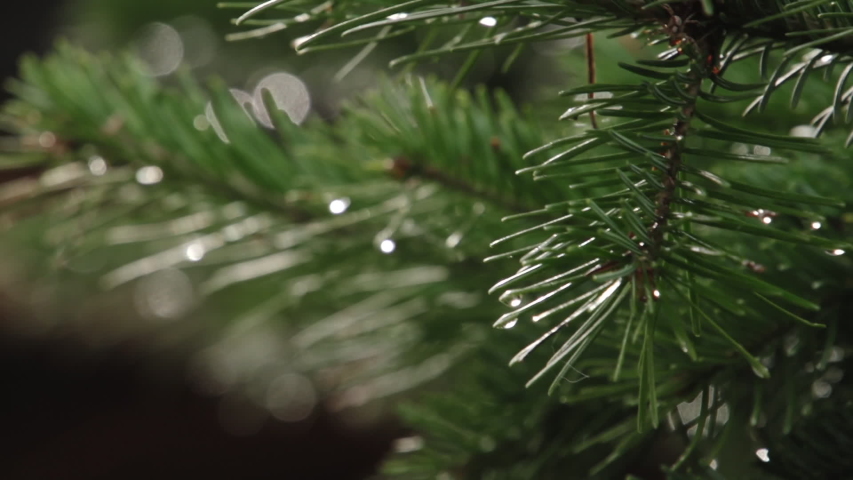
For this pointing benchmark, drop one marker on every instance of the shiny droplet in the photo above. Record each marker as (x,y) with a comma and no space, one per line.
(299,41)
(339,205)
(165,295)
(511,299)
(836,354)
(195,252)
(816,225)
(803,131)
(488,21)
(47,140)
(201,123)
(408,444)
(761,150)
(821,389)
(387,246)
(97,165)
(836,252)
(160,48)
(149,175)
(740,149)
(763,454)
(510,324)
(289,94)
(453,240)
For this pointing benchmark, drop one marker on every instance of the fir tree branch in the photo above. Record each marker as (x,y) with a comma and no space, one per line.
(348,293)
(674,160)
(402,167)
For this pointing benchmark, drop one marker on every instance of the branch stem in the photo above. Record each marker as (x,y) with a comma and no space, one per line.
(663,202)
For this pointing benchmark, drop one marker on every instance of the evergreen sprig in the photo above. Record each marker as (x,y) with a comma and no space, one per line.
(661,264)
(251,217)
(638,231)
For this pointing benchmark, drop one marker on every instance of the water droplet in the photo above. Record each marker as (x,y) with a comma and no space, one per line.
(195,252)
(821,389)
(149,175)
(408,444)
(836,355)
(160,47)
(510,298)
(97,165)
(453,240)
(766,220)
(763,454)
(803,131)
(510,324)
(289,94)
(836,252)
(656,294)
(398,16)
(387,245)
(488,21)
(740,149)
(339,205)
(299,41)
(713,464)
(816,225)
(201,123)
(761,150)
(165,295)
(47,140)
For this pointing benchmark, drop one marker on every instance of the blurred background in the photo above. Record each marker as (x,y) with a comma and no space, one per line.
(75,405)
(69,411)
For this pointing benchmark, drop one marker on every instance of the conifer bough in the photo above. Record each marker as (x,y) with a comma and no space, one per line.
(676,269)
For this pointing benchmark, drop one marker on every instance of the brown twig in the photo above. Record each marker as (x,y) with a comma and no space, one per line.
(590,69)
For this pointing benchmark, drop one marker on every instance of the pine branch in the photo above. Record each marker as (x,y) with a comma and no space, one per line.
(638,253)
(240,227)
(670,180)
